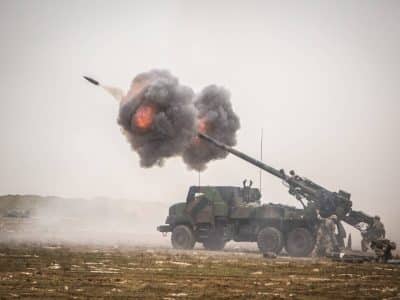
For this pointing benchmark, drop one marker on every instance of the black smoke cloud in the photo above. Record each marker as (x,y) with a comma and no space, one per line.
(173,125)
(217,119)
(178,114)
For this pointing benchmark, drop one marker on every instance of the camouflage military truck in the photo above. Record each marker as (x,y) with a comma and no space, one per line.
(214,215)
(313,196)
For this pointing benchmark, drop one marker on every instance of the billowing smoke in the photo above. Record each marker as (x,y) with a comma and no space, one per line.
(215,118)
(160,118)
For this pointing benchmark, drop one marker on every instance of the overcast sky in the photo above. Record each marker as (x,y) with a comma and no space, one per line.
(320,77)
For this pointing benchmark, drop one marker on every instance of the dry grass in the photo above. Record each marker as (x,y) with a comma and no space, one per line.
(35,271)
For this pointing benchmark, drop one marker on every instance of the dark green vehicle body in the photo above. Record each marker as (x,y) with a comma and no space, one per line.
(214,215)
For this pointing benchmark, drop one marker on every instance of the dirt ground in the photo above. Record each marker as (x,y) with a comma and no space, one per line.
(44,272)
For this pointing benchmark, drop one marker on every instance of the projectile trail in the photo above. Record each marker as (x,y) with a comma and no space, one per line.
(117,93)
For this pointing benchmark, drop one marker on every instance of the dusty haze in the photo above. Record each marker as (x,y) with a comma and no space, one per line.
(321,79)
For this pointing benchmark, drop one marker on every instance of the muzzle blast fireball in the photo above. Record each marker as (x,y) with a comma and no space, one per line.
(160,118)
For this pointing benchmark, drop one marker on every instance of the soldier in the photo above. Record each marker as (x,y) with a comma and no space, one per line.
(326,242)
(374,232)
(383,249)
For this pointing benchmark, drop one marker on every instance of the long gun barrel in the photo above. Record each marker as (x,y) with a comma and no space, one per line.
(327,202)
(271,170)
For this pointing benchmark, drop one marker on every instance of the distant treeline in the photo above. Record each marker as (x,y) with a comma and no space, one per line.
(100,206)
(26,202)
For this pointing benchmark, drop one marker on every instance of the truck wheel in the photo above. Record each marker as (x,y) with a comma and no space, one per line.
(182,237)
(214,242)
(300,242)
(269,239)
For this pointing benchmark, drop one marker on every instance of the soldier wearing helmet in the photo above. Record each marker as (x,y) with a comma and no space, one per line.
(326,242)
(375,231)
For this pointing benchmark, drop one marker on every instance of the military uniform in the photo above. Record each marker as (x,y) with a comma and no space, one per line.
(375,232)
(383,249)
(326,242)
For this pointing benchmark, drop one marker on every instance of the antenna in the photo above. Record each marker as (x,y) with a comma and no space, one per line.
(198,178)
(261,156)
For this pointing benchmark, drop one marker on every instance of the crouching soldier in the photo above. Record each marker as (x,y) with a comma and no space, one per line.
(383,249)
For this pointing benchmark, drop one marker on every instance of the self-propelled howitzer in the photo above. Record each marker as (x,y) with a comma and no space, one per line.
(328,203)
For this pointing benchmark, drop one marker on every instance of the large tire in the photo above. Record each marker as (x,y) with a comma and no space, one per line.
(269,239)
(182,237)
(300,242)
(214,242)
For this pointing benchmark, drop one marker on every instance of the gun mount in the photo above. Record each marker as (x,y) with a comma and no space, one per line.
(328,203)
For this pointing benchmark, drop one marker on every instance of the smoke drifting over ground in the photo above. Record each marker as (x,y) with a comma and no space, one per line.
(103,221)
(161,117)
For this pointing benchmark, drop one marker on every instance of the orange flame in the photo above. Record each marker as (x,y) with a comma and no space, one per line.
(144,116)
(202,126)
